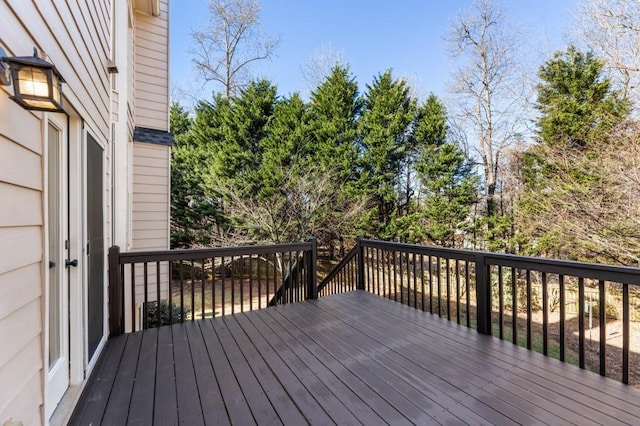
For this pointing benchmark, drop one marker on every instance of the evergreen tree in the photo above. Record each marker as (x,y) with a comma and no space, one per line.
(578,110)
(447,182)
(333,113)
(241,127)
(576,102)
(286,139)
(385,139)
(193,214)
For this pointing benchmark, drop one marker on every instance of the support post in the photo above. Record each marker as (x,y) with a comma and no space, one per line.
(483,295)
(116,318)
(360,280)
(312,275)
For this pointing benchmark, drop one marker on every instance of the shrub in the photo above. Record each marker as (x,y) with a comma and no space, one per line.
(157,319)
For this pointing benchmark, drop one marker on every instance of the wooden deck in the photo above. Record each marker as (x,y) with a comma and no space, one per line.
(353,358)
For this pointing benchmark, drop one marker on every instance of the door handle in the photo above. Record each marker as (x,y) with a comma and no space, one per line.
(73,263)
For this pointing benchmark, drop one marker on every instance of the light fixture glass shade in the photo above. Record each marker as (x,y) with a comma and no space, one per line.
(36,84)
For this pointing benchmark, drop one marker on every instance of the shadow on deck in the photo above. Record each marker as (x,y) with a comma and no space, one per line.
(352,358)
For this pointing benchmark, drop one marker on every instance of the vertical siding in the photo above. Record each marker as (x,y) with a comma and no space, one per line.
(75,35)
(150,208)
(152,69)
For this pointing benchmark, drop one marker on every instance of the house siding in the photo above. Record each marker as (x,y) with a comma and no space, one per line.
(74,35)
(21,256)
(152,69)
(150,211)
(77,37)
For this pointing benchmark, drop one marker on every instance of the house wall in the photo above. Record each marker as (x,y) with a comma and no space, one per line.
(150,211)
(80,38)
(151,76)
(74,35)
(151,180)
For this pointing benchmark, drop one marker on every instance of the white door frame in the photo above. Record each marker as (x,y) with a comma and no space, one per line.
(76,238)
(56,376)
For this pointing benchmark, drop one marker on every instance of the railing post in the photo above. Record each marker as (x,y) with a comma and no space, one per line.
(483,295)
(312,276)
(115,293)
(360,279)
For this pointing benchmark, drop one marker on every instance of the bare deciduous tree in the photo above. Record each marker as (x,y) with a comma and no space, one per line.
(611,29)
(487,87)
(230,43)
(297,211)
(319,64)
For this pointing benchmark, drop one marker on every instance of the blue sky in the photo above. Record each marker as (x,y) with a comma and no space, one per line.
(372,35)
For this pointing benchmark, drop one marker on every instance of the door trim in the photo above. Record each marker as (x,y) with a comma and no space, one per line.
(56,378)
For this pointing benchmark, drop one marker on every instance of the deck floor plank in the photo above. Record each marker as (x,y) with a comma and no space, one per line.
(445,367)
(377,395)
(93,403)
(275,391)
(213,409)
(318,379)
(534,372)
(142,396)
(397,371)
(296,390)
(189,407)
(117,409)
(352,358)
(234,400)
(251,388)
(166,402)
(510,389)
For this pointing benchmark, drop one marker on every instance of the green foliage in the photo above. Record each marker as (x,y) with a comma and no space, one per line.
(573,162)
(334,109)
(385,137)
(242,127)
(577,104)
(193,213)
(447,183)
(262,169)
(159,317)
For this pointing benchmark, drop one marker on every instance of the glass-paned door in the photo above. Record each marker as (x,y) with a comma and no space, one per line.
(95,244)
(57,288)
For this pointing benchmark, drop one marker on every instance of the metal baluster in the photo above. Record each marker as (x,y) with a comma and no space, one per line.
(603,327)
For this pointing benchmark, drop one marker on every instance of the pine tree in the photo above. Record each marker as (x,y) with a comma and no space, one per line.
(446,179)
(566,170)
(194,215)
(385,141)
(334,109)
(242,126)
(333,113)
(576,102)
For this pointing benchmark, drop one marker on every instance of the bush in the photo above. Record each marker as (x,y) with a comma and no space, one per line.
(611,311)
(152,314)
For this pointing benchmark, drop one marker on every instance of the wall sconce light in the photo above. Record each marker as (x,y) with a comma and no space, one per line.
(37,84)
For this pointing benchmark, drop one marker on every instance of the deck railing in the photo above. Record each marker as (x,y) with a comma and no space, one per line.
(525,300)
(148,289)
